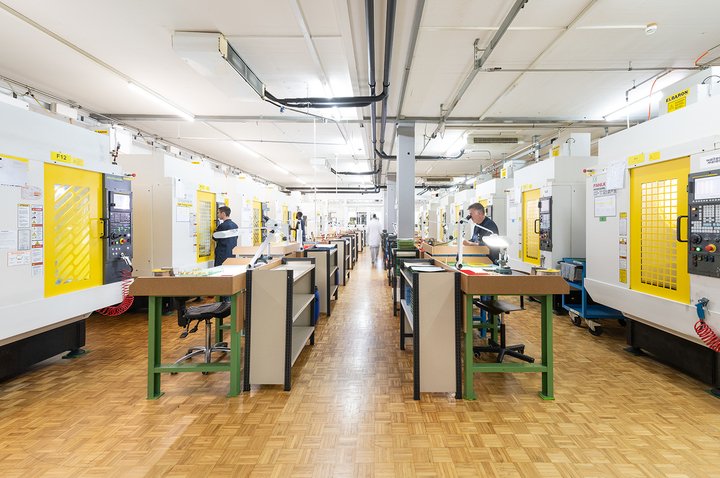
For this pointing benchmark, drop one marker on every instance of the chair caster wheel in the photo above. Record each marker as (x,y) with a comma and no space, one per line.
(597,331)
(206,373)
(173,373)
(221,344)
(576,320)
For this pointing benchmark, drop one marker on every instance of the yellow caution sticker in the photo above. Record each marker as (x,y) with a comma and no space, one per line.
(654,156)
(677,101)
(623,276)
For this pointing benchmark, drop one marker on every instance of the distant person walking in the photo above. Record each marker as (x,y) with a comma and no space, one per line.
(374,232)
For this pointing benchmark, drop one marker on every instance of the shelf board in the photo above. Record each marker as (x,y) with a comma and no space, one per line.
(574,285)
(300,335)
(408,313)
(300,303)
(332,292)
(332,271)
(299,270)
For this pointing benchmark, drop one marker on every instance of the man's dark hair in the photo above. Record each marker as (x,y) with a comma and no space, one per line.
(478,206)
(225,210)
(374,216)
(298,215)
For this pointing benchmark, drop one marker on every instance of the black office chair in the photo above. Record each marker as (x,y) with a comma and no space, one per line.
(207,312)
(495,310)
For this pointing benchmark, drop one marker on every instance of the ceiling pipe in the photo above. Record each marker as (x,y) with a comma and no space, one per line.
(478,63)
(354,173)
(498,69)
(421,157)
(343,190)
(389,34)
(370,32)
(414,33)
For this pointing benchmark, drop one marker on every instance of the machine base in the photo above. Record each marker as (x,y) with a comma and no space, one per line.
(16,357)
(693,359)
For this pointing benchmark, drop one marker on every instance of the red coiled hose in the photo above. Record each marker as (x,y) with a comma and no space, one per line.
(707,335)
(127,299)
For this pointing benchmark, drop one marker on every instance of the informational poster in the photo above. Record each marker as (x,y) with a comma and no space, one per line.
(36,235)
(604,206)
(616,175)
(23,239)
(182,211)
(31,192)
(23,215)
(36,255)
(622,247)
(18,258)
(37,270)
(8,239)
(623,223)
(13,170)
(36,215)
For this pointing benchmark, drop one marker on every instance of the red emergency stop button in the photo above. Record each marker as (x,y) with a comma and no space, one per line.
(711,248)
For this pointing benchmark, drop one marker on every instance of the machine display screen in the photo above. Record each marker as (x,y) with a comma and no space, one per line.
(707,188)
(121,201)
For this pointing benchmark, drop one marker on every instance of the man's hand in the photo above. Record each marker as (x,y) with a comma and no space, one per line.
(468,243)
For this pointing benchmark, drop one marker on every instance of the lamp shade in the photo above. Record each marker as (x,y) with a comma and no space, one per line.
(493,240)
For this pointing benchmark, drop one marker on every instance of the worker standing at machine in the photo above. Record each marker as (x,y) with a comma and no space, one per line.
(482,226)
(225,236)
(300,226)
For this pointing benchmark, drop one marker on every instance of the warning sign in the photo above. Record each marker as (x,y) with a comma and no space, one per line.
(677,101)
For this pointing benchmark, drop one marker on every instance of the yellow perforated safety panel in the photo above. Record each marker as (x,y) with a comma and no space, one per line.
(206,216)
(443,224)
(73,229)
(531,215)
(257,223)
(658,262)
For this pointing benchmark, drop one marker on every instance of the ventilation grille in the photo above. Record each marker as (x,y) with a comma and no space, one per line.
(492,140)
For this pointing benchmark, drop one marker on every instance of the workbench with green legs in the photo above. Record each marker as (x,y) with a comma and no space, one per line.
(490,284)
(230,282)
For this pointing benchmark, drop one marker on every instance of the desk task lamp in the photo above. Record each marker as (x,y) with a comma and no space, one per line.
(271,227)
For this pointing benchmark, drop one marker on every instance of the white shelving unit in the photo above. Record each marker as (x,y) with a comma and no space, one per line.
(278,319)
(326,264)
(431,314)
(344,259)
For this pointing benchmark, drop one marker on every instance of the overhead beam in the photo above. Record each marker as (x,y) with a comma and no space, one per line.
(459,122)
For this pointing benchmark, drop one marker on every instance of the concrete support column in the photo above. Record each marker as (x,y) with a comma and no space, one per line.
(389,209)
(406,179)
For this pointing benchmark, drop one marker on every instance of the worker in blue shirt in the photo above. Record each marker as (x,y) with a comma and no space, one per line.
(482,226)
(226,236)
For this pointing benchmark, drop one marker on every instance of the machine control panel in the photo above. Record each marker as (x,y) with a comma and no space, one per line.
(545,231)
(118,228)
(704,223)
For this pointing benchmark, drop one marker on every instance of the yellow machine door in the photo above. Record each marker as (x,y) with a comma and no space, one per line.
(206,216)
(658,262)
(530,223)
(257,223)
(73,229)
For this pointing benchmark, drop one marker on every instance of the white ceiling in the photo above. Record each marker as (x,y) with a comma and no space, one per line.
(133,40)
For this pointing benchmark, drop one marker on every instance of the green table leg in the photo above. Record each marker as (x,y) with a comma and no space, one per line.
(235,356)
(547,348)
(469,390)
(154,346)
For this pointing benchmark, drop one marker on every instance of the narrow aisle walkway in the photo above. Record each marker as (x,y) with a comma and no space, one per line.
(351,413)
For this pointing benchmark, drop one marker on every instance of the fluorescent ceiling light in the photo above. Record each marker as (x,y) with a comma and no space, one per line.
(282,170)
(161,101)
(634,108)
(245,149)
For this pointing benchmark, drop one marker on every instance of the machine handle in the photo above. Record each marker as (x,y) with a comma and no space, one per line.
(677,228)
(104,222)
(536,226)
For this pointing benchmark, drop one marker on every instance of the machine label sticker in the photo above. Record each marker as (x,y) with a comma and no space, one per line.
(709,161)
(654,156)
(636,159)
(677,101)
(66,158)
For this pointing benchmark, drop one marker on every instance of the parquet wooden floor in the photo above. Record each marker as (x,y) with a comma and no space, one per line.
(351,413)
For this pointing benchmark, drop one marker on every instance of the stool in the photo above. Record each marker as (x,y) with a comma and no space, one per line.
(496,309)
(207,312)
